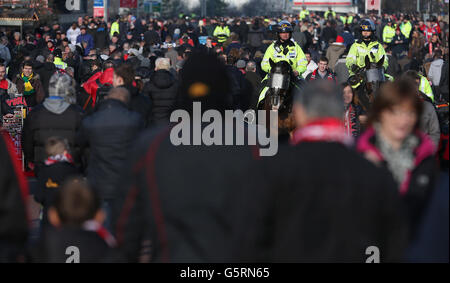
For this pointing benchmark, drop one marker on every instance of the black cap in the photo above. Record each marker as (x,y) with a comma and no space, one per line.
(83,27)
(57,53)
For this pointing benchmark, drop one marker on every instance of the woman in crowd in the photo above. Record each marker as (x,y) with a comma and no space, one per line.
(355,116)
(394,141)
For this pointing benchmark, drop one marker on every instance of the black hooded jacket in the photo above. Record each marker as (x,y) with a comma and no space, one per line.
(162,91)
(140,103)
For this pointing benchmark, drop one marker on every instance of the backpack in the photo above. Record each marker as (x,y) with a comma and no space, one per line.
(102,91)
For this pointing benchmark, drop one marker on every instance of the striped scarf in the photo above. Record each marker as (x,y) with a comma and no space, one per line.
(29,90)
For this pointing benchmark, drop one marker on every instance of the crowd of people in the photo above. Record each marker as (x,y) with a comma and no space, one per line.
(96,138)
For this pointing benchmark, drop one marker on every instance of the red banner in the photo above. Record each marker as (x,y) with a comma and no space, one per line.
(128,3)
(99,12)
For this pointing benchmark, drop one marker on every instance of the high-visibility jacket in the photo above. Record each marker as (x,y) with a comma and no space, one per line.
(358,52)
(347,20)
(406,29)
(425,87)
(222,33)
(59,63)
(114,29)
(333,14)
(295,57)
(388,34)
(303,14)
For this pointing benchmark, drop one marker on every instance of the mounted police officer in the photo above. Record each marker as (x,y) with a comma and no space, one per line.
(368,46)
(284,49)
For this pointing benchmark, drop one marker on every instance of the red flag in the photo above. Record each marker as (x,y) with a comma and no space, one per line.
(128,3)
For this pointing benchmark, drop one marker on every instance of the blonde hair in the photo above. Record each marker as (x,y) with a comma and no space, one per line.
(162,64)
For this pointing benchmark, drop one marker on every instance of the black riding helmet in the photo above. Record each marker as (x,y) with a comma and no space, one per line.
(367,25)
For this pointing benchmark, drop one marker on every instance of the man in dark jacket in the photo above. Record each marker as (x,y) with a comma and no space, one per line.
(124,77)
(151,37)
(109,133)
(307,210)
(13,204)
(45,70)
(162,90)
(57,116)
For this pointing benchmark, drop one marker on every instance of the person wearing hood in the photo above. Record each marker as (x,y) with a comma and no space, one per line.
(56,116)
(335,50)
(29,85)
(162,90)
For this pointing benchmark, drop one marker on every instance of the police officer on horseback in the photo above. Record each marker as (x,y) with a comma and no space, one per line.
(284,49)
(367,46)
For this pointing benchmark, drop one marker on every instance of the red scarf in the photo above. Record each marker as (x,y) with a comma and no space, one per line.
(65,157)
(101,231)
(322,130)
(4,84)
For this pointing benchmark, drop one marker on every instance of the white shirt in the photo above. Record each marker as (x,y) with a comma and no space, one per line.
(72,35)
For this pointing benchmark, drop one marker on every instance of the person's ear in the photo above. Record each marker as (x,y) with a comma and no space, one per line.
(53,217)
(100,216)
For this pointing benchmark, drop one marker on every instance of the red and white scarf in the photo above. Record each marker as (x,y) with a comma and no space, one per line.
(65,157)
(101,231)
(323,130)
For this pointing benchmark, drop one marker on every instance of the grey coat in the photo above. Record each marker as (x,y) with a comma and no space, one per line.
(429,123)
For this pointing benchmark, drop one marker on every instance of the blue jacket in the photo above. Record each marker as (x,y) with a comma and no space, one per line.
(348,38)
(88,38)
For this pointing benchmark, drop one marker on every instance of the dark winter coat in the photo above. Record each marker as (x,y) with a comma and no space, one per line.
(91,246)
(50,179)
(109,133)
(162,90)
(189,218)
(141,104)
(255,36)
(45,71)
(42,124)
(307,210)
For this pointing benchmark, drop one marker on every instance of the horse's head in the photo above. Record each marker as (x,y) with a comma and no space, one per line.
(374,73)
(279,83)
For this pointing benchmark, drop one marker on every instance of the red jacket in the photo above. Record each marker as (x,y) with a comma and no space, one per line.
(91,86)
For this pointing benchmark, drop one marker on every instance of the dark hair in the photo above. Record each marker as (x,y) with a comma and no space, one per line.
(126,72)
(355,99)
(391,94)
(27,63)
(323,59)
(76,202)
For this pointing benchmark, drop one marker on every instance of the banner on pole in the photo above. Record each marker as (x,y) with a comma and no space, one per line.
(373,5)
(99,9)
